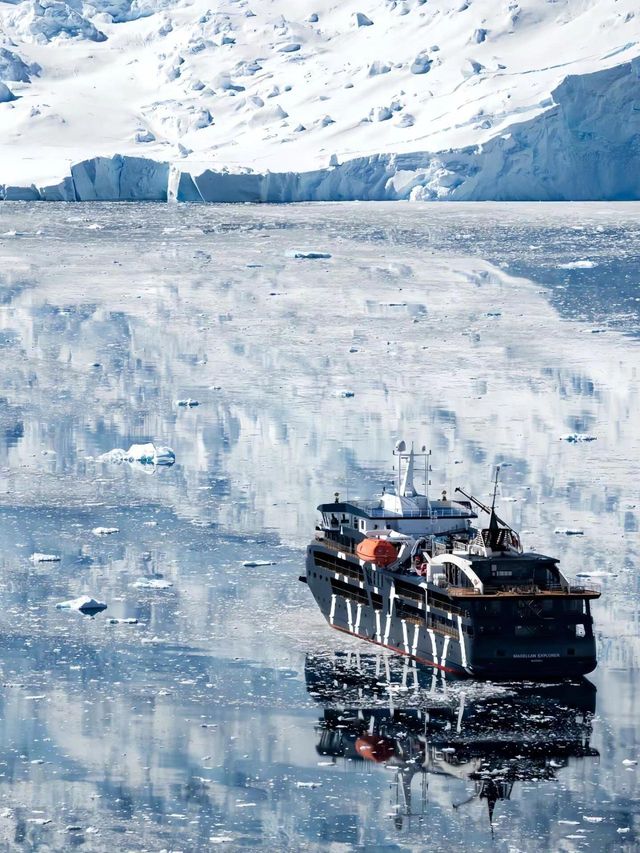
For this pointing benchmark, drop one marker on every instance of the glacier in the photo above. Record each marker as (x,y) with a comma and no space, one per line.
(131,100)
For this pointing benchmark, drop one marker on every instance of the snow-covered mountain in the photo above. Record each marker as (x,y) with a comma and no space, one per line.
(318,99)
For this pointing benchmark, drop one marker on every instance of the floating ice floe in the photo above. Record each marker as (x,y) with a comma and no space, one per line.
(301,254)
(105,531)
(595,574)
(575,437)
(188,403)
(252,564)
(569,531)
(85,604)
(308,784)
(145,454)
(122,621)
(629,762)
(577,265)
(152,583)
(44,558)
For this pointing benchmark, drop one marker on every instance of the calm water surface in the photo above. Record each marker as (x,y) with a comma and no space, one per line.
(227,714)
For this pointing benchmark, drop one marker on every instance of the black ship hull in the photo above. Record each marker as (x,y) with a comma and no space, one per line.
(408,616)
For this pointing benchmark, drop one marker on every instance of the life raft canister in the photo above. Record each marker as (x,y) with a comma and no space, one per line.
(378,551)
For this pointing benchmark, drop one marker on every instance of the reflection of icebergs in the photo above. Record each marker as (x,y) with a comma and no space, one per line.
(85,604)
(145,454)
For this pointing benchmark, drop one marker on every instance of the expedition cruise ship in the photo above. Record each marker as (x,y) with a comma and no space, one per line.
(420,577)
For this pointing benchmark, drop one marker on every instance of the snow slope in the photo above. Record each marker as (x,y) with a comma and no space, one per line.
(267,100)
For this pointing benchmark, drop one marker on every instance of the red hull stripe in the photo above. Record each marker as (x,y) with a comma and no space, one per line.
(401,652)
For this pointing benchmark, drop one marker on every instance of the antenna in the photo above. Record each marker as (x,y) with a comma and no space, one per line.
(495,488)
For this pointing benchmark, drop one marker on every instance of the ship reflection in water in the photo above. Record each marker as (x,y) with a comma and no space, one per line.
(378,710)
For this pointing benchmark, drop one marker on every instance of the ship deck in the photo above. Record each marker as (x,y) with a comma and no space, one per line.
(525,592)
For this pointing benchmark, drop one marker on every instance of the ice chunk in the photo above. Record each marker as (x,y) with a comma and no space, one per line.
(304,254)
(85,604)
(344,392)
(188,403)
(14,68)
(479,35)
(574,437)
(361,20)
(105,531)
(308,784)
(421,64)
(380,114)
(152,583)
(50,19)
(251,564)
(128,621)
(146,454)
(144,136)
(577,265)
(44,558)
(6,94)
(629,762)
(378,67)
(569,531)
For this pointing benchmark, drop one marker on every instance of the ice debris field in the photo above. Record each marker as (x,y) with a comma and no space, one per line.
(271,101)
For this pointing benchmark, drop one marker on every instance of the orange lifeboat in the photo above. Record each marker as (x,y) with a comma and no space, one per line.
(374,748)
(378,551)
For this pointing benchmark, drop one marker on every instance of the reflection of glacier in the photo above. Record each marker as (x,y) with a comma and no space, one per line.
(445,348)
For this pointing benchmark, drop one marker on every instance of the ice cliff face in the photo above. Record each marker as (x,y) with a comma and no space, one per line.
(152,99)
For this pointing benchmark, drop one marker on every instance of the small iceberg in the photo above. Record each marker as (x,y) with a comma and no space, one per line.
(105,531)
(152,583)
(578,265)
(44,558)
(145,454)
(569,531)
(131,620)
(303,254)
(575,437)
(187,404)
(252,564)
(85,604)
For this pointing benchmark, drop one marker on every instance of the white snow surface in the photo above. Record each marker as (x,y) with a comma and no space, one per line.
(263,100)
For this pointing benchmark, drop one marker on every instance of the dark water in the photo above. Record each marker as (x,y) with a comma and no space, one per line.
(228,714)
